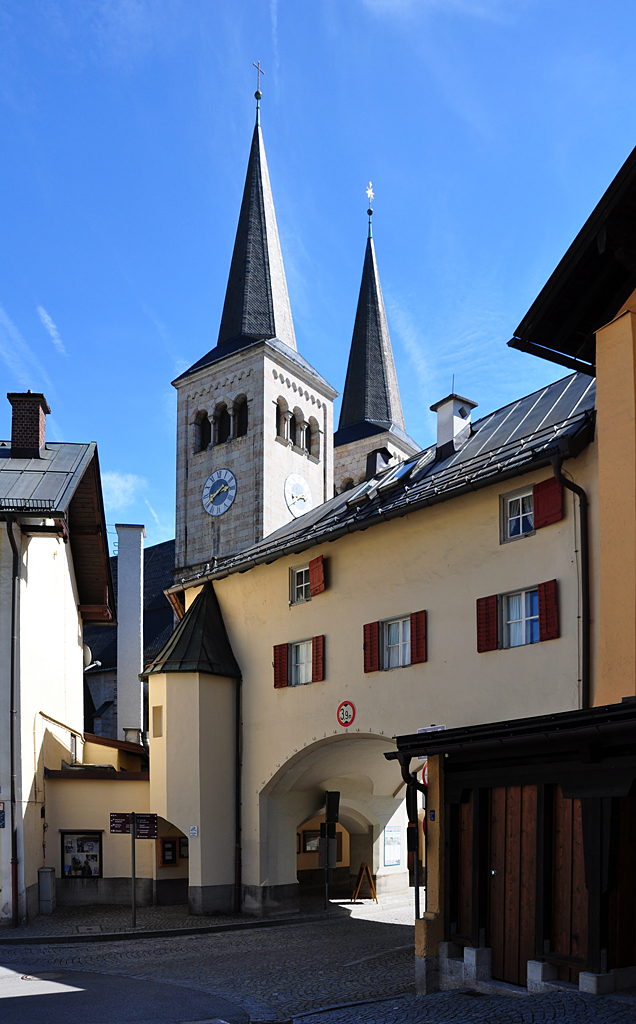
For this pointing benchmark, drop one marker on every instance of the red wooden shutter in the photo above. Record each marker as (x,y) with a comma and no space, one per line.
(281,662)
(548,502)
(487,624)
(372,647)
(317,659)
(316,576)
(548,611)
(418,638)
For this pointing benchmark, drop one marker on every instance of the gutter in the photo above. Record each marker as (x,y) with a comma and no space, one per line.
(238,752)
(586,690)
(15,608)
(295,548)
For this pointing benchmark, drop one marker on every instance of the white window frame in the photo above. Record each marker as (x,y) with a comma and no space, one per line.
(524,619)
(403,645)
(293,585)
(295,664)
(504,514)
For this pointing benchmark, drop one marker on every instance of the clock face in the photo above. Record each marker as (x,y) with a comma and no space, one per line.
(219,492)
(298,495)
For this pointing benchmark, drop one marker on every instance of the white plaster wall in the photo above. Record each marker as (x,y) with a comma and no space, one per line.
(440,559)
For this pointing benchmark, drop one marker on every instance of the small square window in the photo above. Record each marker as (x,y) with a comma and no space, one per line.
(517,515)
(301,663)
(521,618)
(397,643)
(299,585)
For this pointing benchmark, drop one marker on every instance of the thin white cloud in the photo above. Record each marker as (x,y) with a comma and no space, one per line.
(491,10)
(51,327)
(153,513)
(120,489)
(26,368)
(273,12)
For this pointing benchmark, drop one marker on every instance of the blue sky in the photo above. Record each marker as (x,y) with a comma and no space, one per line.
(490,129)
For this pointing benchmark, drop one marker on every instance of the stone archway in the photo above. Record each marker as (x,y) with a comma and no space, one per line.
(372,796)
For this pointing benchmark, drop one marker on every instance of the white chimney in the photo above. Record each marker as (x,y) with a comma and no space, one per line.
(453,423)
(130,631)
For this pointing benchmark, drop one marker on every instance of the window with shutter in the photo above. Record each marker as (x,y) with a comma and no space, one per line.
(372,647)
(281,666)
(316,576)
(418,638)
(548,611)
(317,659)
(487,624)
(548,502)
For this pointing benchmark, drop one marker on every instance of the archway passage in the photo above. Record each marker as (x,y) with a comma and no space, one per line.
(371,809)
(172,864)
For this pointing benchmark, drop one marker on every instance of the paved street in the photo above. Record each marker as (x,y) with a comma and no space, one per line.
(288,971)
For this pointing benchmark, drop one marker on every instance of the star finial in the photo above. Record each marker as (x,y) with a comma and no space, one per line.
(370,197)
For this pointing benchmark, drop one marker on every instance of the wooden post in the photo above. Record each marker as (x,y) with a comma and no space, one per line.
(133,836)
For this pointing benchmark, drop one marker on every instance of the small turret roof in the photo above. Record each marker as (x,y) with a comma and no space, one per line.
(371,400)
(199,643)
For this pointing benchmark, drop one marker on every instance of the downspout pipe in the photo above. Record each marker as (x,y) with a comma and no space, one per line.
(238,759)
(586,689)
(15,605)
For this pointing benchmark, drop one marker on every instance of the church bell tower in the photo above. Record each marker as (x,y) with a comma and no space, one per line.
(254,419)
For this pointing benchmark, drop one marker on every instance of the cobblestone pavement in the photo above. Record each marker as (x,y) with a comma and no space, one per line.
(299,970)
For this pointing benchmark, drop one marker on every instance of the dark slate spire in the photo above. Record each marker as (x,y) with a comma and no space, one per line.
(256,301)
(371,401)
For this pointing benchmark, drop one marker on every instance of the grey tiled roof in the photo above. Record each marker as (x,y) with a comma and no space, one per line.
(371,400)
(512,441)
(43,485)
(256,301)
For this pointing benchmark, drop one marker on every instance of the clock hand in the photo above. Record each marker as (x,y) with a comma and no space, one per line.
(298,497)
(223,487)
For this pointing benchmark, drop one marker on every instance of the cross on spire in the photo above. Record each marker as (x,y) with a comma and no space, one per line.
(259,72)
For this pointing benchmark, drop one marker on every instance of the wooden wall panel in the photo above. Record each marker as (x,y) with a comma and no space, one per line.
(569,893)
(497,879)
(528,894)
(622,899)
(465,895)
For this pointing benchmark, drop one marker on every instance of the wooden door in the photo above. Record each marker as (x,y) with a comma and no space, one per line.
(621,946)
(568,942)
(513,852)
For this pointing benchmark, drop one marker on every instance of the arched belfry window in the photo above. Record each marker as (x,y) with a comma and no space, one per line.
(203,432)
(292,429)
(240,417)
(313,438)
(222,425)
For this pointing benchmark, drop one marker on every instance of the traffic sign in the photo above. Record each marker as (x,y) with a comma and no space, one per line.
(346,713)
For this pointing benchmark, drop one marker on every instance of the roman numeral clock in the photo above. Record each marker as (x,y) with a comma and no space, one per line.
(219,492)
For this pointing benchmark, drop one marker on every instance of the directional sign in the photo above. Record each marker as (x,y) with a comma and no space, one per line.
(346,713)
(120,824)
(145,825)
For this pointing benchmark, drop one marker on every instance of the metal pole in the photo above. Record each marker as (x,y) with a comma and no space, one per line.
(326,883)
(416,869)
(133,836)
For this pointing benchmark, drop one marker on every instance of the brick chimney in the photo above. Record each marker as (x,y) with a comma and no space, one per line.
(28,425)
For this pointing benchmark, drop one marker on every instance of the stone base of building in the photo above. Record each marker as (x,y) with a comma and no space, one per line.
(170,891)
(266,900)
(211,899)
(77,892)
(32,901)
(395,882)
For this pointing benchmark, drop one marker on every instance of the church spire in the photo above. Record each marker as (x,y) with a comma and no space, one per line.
(371,400)
(256,301)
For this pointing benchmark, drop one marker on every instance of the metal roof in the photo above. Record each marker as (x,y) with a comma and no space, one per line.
(45,485)
(199,643)
(520,437)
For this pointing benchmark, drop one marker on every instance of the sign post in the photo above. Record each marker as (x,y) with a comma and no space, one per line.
(140,826)
(328,844)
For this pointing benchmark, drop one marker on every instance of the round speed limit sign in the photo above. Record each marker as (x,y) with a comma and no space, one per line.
(346,713)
